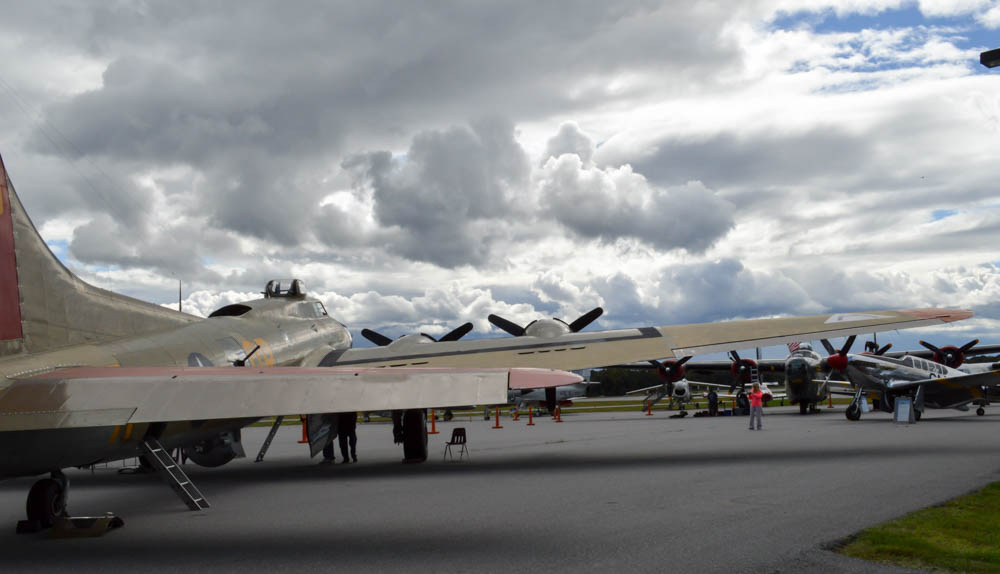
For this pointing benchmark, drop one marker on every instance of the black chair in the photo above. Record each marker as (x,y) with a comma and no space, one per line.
(457,439)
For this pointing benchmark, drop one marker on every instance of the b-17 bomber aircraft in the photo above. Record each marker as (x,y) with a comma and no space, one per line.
(88,376)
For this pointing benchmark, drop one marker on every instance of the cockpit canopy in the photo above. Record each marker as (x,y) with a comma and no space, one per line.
(805,347)
(287,288)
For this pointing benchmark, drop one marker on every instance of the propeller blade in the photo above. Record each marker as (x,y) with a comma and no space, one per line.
(931,347)
(505,325)
(683,360)
(847,345)
(457,333)
(377,338)
(734,356)
(585,319)
(829,347)
(964,348)
(883,349)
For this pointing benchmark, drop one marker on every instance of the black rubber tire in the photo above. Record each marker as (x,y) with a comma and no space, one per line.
(853,412)
(980,411)
(415,435)
(917,414)
(448,415)
(803,408)
(46,502)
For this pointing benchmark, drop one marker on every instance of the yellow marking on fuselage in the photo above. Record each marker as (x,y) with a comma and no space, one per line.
(128,432)
(114,434)
(266,350)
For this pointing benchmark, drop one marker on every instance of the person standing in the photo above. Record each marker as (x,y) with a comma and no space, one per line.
(347,426)
(713,404)
(756,405)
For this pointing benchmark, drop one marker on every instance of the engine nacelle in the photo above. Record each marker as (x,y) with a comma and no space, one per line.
(670,371)
(950,356)
(682,391)
(741,370)
(217,450)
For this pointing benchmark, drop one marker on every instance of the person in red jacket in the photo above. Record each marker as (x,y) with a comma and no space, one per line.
(756,405)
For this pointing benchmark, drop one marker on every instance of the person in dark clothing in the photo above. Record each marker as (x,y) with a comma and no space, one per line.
(347,424)
(713,404)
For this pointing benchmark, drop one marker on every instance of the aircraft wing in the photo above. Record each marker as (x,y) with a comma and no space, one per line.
(989,378)
(716,372)
(643,390)
(590,349)
(928,354)
(103,396)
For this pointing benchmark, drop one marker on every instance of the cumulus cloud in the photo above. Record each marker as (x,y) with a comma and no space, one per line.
(617,202)
(729,154)
(569,139)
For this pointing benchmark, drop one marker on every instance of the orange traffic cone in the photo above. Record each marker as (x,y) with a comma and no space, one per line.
(434,429)
(830,406)
(558,417)
(305,437)
(497,425)
(649,409)
(531,417)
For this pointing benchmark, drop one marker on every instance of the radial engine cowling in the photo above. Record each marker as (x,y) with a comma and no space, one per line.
(216,451)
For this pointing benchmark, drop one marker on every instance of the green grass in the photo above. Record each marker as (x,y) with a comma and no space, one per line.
(962,535)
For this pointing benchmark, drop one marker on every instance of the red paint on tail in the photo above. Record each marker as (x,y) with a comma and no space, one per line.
(10,306)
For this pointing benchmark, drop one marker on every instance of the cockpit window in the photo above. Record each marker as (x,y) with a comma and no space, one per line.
(311,310)
(234,310)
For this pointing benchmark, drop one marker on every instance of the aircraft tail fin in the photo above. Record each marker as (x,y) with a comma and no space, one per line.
(44,306)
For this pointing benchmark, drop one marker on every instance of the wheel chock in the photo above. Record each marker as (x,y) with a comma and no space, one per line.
(85,526)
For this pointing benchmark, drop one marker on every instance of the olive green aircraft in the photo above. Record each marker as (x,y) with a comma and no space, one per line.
(89,376)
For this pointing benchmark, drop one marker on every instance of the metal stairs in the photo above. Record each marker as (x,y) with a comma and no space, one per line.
(173,474)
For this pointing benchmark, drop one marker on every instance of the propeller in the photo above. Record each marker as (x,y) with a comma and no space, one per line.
(740,370)
(951,355)
(518,331)
(670,371)
(505,325)
(838,358)
(453,335)
(585,319)
(377,338)
(456,333)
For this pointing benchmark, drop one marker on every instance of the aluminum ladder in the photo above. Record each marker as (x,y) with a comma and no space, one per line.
(173,474)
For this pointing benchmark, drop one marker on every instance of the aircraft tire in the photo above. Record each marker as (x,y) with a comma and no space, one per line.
(46,502)
(448,415)
(853,412)
(917,414)
(980,411)
(803,408)
(414,436)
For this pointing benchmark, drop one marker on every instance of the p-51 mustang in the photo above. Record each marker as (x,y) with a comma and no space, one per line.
(929,383)
(88,376)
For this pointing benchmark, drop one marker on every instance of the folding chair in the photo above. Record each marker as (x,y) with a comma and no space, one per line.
(457,439)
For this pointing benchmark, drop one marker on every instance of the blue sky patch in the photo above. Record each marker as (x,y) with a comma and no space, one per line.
(939,214)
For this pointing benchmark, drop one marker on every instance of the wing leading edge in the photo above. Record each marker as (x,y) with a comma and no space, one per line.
(101,396)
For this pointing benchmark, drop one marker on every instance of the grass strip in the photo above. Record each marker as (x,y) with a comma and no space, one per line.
(962,535)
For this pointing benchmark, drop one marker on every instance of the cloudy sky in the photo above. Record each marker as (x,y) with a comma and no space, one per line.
(423,164)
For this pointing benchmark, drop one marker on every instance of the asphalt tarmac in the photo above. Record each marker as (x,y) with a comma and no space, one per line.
(600,492)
